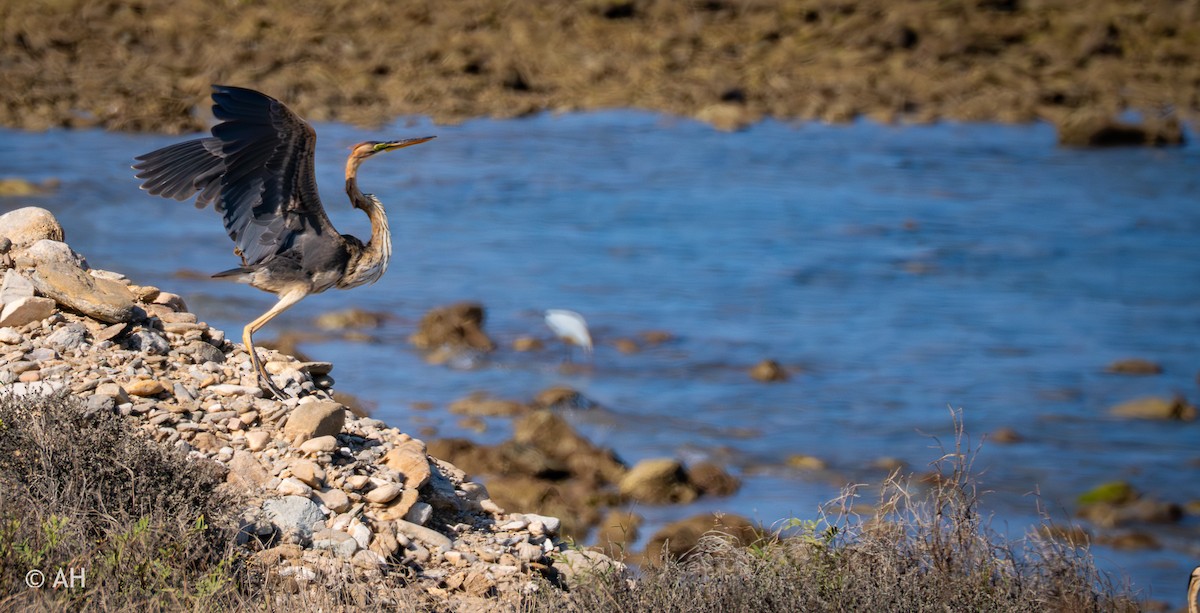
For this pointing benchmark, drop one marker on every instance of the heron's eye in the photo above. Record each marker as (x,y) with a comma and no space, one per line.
(380,147)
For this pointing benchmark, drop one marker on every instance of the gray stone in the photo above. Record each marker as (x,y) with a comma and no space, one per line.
(9,336)
(15,286)
(294,514)
(419,514)
(69,336)
(181,393)
(336,541)
(542,525)
(25,310)
(148,342)
(41,354)
(100,403)
(203,352)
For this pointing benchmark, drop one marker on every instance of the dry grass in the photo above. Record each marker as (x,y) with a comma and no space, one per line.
(927,551)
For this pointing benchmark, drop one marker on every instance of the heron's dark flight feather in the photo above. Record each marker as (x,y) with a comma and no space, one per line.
(182,169)
(257,168)
(269,189)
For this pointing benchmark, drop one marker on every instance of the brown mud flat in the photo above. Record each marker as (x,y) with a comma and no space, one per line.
(147,64)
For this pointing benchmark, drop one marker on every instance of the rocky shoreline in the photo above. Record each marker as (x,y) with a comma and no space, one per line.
(326,493)
(141,65)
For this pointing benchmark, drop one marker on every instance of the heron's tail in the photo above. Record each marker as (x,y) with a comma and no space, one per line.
(182,169)
(242,274)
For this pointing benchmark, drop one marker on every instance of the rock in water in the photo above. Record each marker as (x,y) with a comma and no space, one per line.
(658,481)
(1134,366)
(768,371)
(679,539)
(1156,408)
(457,325)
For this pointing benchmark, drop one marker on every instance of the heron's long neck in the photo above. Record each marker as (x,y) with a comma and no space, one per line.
(369,265)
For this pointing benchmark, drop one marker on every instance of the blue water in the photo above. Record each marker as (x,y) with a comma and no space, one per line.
(898,272)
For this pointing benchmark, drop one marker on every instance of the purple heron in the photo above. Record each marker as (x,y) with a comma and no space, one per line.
(257,171)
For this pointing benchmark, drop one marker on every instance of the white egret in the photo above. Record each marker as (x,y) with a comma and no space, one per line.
(570,327)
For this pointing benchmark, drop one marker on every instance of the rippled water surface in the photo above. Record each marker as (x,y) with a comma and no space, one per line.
(896,271)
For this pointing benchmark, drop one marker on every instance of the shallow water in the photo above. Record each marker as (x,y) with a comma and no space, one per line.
(897,271)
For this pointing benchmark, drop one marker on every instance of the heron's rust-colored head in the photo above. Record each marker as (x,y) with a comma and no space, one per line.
(369,148)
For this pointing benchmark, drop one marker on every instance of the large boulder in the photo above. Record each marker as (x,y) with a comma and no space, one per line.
(60,273)
(28,225)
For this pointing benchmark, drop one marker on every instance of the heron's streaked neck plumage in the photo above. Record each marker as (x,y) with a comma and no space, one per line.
(369,265)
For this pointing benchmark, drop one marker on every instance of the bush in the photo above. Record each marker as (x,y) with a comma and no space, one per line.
(83,492)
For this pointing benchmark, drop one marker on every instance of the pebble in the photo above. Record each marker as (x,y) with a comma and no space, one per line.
(420,513)
(335,500)
(384,494)
(421,533)
(321,444)
(9,336)
(256,440)
(308,472)
(361,534)
(229,389)
(294,487)
(368,559)
(338,542)
(144,388)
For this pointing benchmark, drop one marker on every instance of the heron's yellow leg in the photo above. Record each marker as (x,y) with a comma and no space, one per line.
(286,300)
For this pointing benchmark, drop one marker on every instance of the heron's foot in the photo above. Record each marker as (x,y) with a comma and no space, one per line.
(270,385)
(265,378)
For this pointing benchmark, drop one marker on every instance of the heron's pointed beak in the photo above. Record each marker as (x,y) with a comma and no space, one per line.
(400,144)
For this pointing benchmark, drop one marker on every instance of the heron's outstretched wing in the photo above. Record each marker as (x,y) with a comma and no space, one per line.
(180,170)
(268,191)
